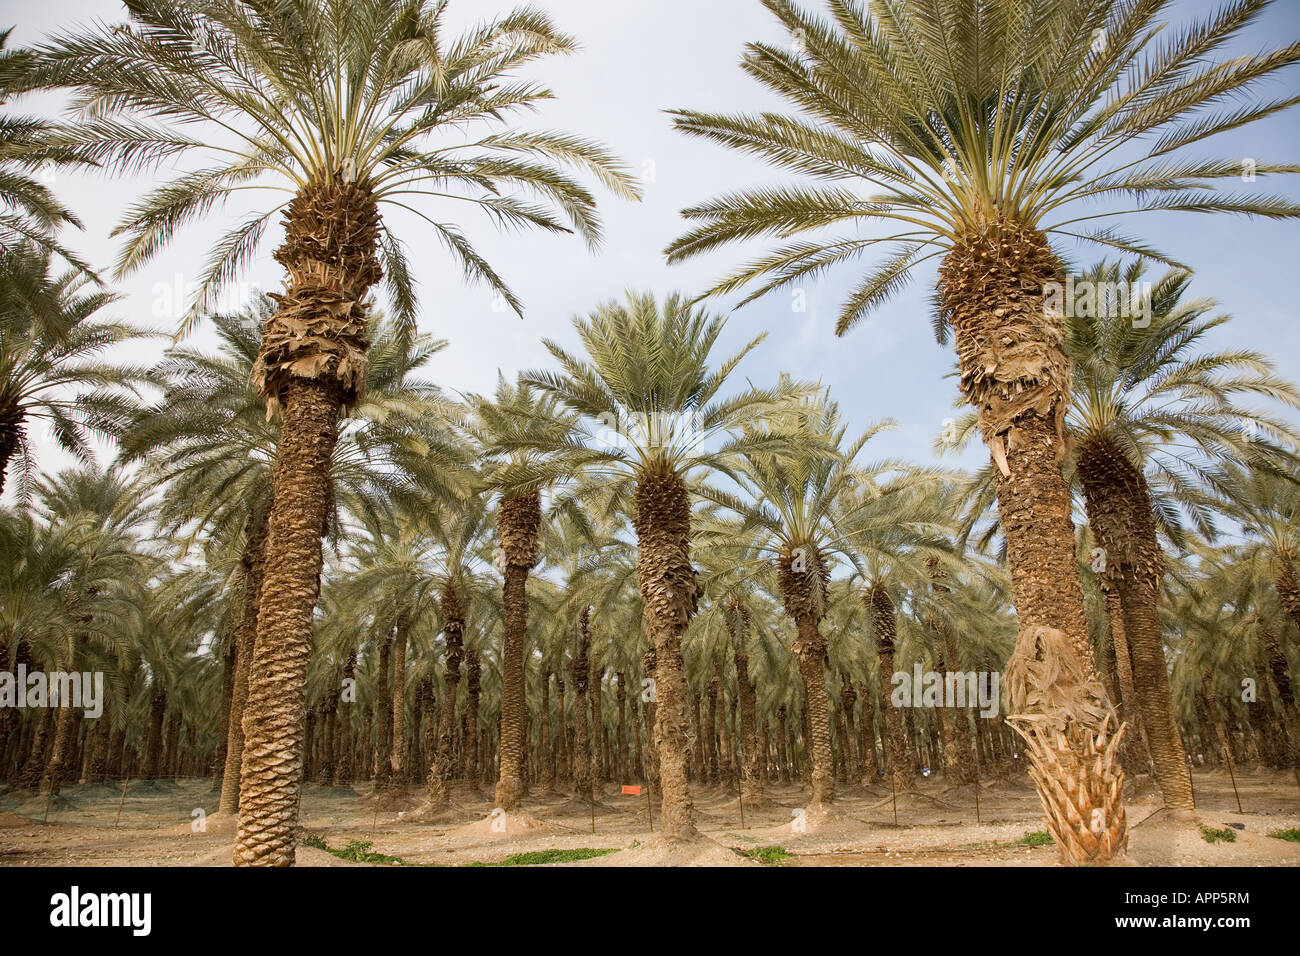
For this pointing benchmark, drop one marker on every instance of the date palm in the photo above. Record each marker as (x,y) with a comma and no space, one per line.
(53,368)
(800,498)
(975,134)
(510,427)
(654,416)
(208,443)
(977,130)
(345,109)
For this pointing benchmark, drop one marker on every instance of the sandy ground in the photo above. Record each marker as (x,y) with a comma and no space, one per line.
(936,825)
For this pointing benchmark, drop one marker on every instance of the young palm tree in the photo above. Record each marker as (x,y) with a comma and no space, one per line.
(51,365)
(345,108)
(977,129)
(651,407)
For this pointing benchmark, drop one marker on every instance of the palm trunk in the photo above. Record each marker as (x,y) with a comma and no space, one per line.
(383,708)
(1015,372)
(470,735)
(881,608)
(397,721)
(669,590)
(751,783)
(1286,696)
(243,639)
(1288,588)
(580,673)
(312,362)
(803,591)
(453,627)
(1120,514)
(518,521)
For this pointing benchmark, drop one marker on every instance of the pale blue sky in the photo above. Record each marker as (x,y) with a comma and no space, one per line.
(641,57)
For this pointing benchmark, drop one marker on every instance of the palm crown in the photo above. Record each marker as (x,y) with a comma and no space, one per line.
(938,117)
(288,95)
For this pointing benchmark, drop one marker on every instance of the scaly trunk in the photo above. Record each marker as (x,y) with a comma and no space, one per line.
(1014,371)
(1121,517)
(397,721)
(383,707)
(881,608)
(1288,588)
(453,629)
(518,521)
(751,782)
(153,745)
(1286,696)
(243,638)
(802,577)
(669,590)
(470,736)
(312,362)
(580,674)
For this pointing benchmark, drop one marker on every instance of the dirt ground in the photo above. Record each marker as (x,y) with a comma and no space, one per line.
(159,823)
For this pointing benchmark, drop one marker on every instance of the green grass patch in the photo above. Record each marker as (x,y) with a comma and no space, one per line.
(1211,835)
(769,855)
(543,857)
(1291,836)
(1036,838)
(356,851)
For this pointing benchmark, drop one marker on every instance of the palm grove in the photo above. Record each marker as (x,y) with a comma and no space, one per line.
(309,562)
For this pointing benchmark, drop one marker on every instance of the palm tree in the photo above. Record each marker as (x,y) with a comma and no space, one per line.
(1267,503)
(210,445)
(30,214)
(345,108)
(651,406)
(975,132)
(510,428)
(52,368)
(1152,398)
(980,128)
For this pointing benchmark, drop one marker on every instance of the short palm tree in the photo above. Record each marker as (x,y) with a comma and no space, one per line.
(345,109)
(653,416)
(52,364)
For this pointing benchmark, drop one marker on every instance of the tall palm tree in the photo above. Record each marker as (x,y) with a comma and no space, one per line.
(510,428)
(978,130)
(345,109)
(209,444)
(651,406)
(973,133)
(52,364)
(1154,398)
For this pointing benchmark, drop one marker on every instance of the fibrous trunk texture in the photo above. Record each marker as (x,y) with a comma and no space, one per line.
(312,363)
(397,719)
(881,608)
(453,629)
(669,590)
(751,780)
(1060,710)
(802,575)
(1120,514)
(11,434)
(518,521)
(1015,372)
(580,674)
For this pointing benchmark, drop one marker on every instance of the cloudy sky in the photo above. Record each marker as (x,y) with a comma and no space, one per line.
(639,58)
